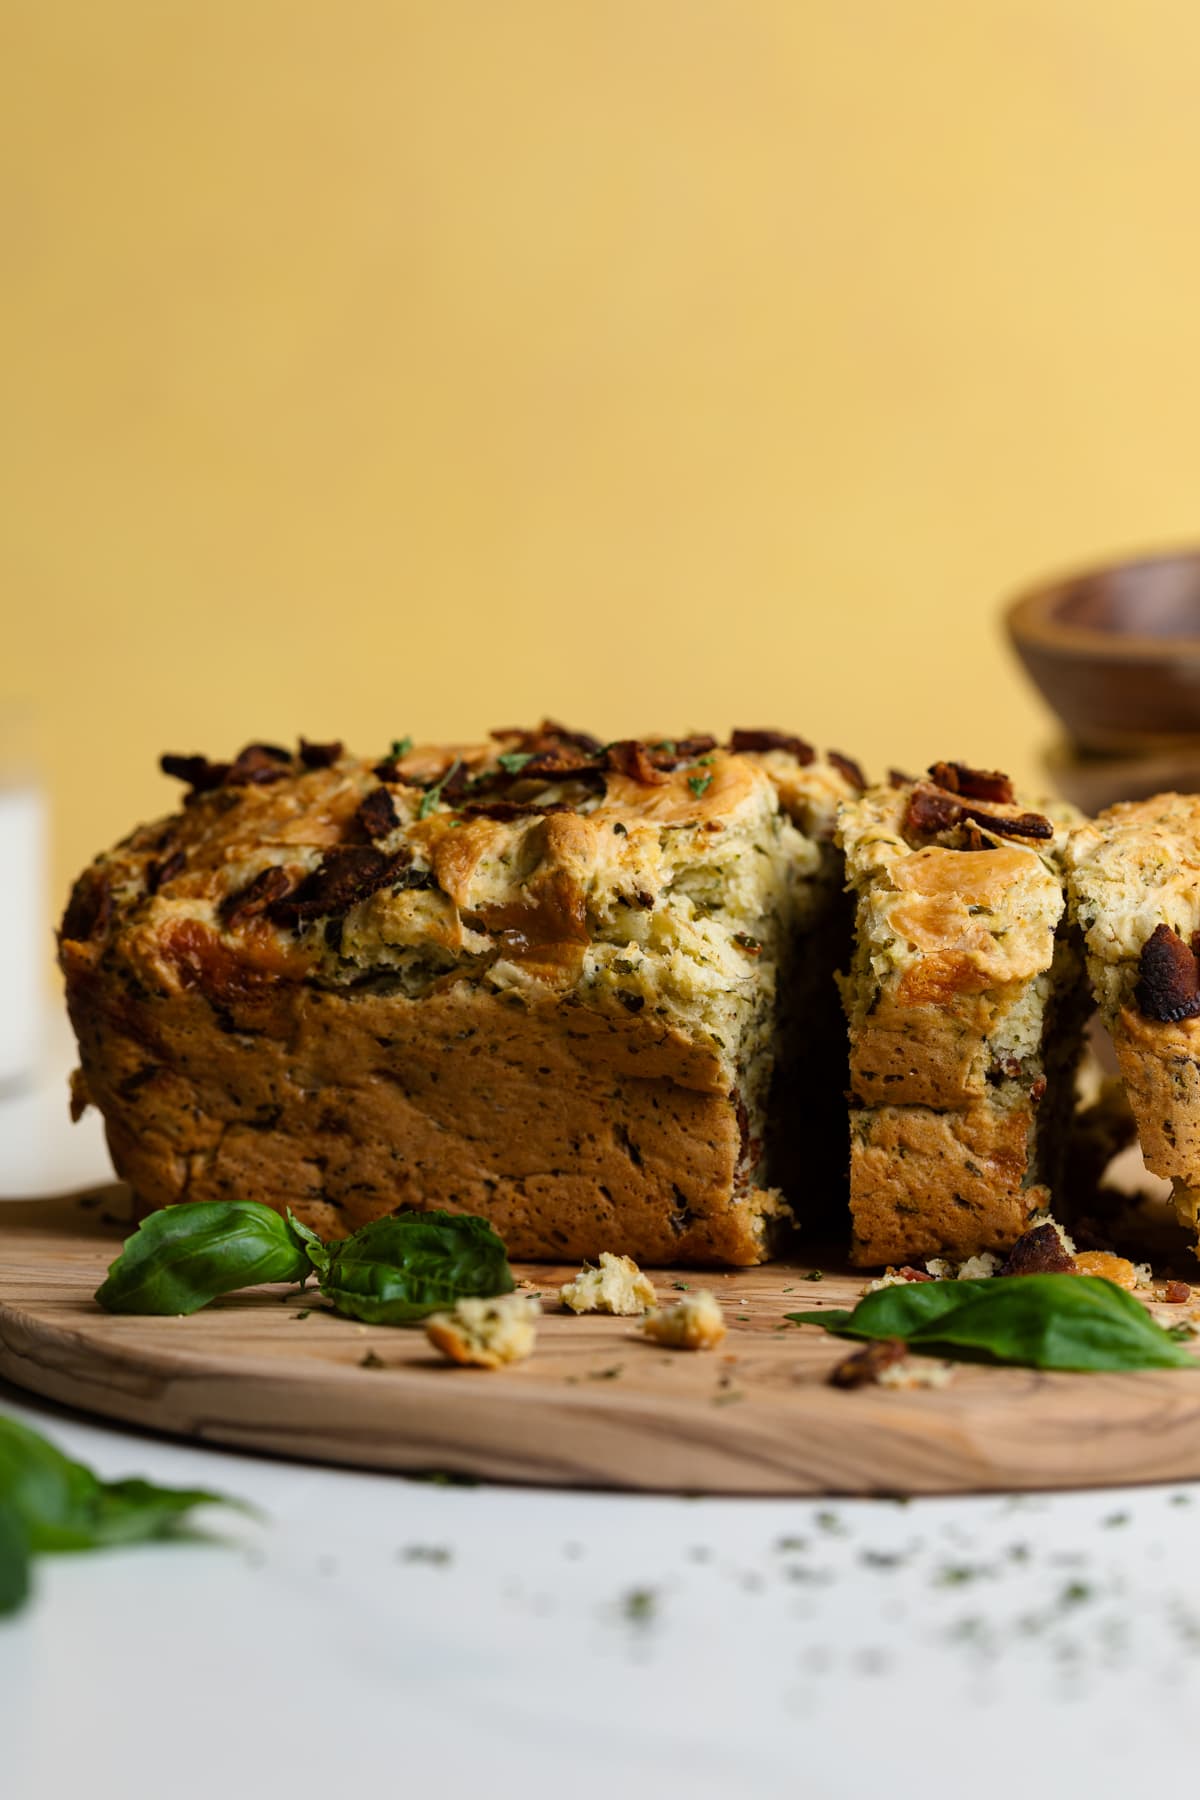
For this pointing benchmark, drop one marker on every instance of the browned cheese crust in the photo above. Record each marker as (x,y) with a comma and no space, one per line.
(455,980)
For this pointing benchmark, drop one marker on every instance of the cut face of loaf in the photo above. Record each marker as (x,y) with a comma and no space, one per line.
(1134,875)
(965,1003)
(536,979)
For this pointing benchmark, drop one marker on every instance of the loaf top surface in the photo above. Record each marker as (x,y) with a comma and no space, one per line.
(954,873)
(660,874)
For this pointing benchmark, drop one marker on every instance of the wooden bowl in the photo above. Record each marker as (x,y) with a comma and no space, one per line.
(1116,652)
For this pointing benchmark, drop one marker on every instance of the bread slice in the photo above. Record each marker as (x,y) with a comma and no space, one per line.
(536,979)
(1134,879)
(965,1004)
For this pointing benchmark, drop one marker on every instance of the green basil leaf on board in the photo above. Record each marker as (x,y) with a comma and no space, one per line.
(400,1269)
(315,1248)
(14,1560)
(1077,1322)
(184,1256)
(62,1505)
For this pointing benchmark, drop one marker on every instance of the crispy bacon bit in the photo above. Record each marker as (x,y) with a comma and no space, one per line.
(377,814)
(200,774)
(258,764)
(266,888)
(931,811)
(673,753)
(898,779)
(1025,825)
(253,766)
(1176,1293)
(505,810)
(320,756)
(975,784)
(549,735)
(90,908)
(1168,987)
(846,765)
(866,1366)
(344,877)
(629,758)
(911,1274)
(1040,1252)
(550,765)
(772,740)
(158,874)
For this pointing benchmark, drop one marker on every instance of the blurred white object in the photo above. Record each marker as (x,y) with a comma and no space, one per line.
(23,927)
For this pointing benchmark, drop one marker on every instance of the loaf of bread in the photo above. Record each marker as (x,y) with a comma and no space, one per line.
(538,979)
(965,1003)
(1134,877)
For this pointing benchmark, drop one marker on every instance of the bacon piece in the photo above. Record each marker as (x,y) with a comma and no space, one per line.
(158,874)
(866,1366)
(320,756)
(930,810)
(267,887)
(1168,986)
(847,766)
(253,766)
(200,774)
(976,784)
(911,1274)
(344,877)
(1040,1252)
(504,810)
(760,740)
(90,908)
(377,814)
(1176,1293)
(258,764)
(1025,825)
(629,758)
(548,765)
(550,735)
(898,779)
(676,751)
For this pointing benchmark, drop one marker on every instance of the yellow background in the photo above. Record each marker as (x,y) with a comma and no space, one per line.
(373,367)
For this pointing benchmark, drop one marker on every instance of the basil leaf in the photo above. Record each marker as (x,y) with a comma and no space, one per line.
(184,1256)
(315,1248)
(1078,1322)
(14,1560)
(396,1270)
(62,1505)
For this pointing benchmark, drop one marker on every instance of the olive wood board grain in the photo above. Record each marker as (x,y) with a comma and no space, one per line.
(596,1406)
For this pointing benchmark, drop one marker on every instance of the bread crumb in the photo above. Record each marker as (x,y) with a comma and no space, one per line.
(917,1372)
(618,1286)
(486,1333)
(978,1268)
(693,1323)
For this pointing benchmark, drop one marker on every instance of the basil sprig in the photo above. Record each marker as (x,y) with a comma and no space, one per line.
(391,1272)
(1079,1322)
(397,1270)
(50,1503)
(184,1256)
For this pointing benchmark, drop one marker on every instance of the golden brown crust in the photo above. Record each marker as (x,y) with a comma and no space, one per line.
(1160,1065)
(928,1183)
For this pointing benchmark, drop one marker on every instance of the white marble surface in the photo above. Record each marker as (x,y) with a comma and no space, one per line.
(373,1634)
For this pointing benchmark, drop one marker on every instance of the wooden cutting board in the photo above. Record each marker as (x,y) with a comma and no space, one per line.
(596,1406)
